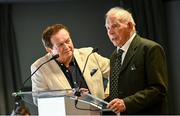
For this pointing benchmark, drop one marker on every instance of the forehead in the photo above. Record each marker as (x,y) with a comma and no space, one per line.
(111,20)
(62,32)
(61,36)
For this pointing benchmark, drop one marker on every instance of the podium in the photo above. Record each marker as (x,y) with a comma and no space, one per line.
(62,102)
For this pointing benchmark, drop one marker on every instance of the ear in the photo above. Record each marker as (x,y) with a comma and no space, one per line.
(130,25)
(51,51)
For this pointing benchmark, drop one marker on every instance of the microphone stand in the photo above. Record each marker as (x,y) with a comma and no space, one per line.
(18,97)
(77,92)
(53,57)
(94,50)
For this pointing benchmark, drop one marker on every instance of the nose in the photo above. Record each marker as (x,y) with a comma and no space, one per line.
(110,31)
(65,45)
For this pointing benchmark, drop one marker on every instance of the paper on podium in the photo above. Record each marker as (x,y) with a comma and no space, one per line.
(93,100)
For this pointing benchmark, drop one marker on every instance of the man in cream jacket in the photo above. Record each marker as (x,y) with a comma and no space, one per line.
(65,72)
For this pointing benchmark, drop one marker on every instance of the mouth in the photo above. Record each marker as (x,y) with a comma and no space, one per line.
(114,39)
(66,52)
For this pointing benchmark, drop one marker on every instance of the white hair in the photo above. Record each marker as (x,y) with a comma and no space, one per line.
(121,14)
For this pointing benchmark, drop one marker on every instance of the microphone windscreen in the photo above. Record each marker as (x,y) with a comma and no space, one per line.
(55,56)
(94,50)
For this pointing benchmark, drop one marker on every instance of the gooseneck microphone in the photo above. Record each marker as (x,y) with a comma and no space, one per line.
(17,95)
(94,50)
(52,58)
(77,91)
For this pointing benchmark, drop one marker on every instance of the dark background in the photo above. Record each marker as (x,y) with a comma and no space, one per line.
(155,19)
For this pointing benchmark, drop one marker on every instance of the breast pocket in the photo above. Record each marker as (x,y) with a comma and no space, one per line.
(136,78)
(93,71)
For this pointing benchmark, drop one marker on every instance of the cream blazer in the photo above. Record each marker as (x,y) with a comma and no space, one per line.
(51,77)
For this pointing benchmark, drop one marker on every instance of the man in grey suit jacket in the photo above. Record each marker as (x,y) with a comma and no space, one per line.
(142,79)
(66,71)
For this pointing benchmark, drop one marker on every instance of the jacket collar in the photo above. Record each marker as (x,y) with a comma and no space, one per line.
(131,52)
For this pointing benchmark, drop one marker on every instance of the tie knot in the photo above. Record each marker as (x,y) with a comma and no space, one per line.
(120,52)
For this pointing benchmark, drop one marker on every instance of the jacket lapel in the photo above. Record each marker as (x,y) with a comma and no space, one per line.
(130,53)
(58,75)
(79,59)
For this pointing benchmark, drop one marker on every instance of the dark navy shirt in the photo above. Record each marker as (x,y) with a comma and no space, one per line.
(73,74)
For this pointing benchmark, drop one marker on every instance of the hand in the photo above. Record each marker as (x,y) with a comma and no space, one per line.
(117,105)
(69,93)
(83,91)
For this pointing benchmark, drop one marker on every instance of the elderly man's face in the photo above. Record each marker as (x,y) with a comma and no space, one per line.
(117,31)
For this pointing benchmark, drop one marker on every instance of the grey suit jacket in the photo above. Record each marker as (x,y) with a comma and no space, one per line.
(51,77)
(143,79)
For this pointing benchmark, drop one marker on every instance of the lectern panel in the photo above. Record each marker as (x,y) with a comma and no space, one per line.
(54,106)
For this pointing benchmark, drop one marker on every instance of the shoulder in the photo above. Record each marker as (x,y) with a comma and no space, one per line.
(41,60)
(149,46)
(86,51)
(145,43)
(83,51)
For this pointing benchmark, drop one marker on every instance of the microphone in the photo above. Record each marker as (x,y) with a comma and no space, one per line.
(94,50)
(17,95)
(52,58)
(77,92)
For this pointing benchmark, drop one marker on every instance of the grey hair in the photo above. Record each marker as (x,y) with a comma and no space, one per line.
(121,14)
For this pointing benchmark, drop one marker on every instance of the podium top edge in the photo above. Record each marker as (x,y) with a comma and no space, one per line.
(20,93)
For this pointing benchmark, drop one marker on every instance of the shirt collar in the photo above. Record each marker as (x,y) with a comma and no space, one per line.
(127,44)
(72,63)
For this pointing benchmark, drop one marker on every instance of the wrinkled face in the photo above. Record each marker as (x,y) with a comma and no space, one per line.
(117,31)
(62,45)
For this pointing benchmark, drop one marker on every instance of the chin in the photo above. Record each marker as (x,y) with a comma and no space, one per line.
(115,44)
(69,54)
